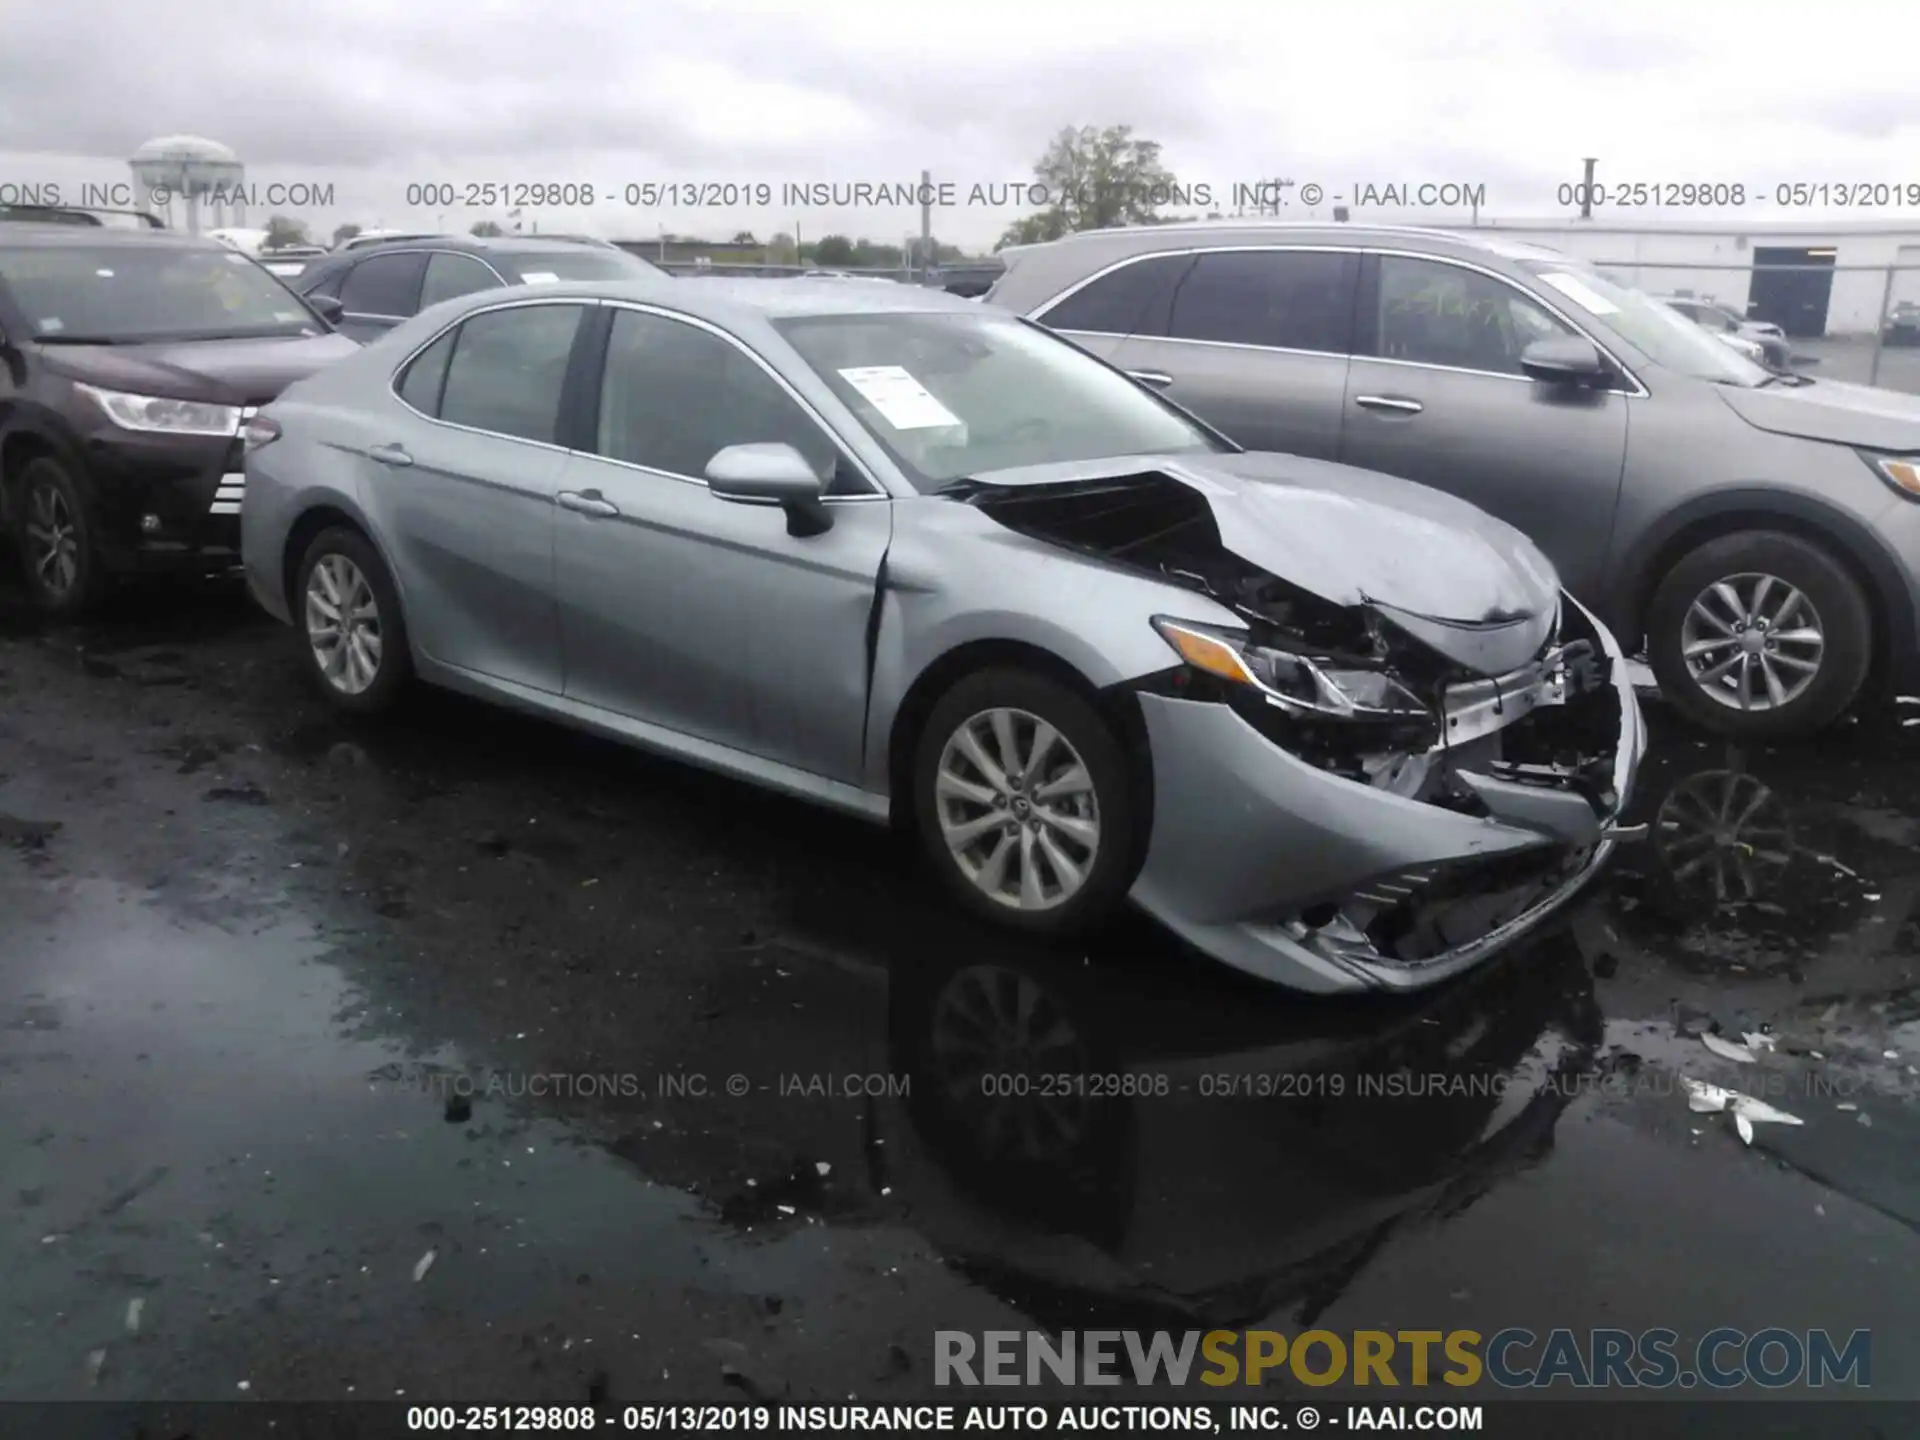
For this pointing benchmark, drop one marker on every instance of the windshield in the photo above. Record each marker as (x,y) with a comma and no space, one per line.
(950,396)
(1652,326)
(135,292)
(547,266)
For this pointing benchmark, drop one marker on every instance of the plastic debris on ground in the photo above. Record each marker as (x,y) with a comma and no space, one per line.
(1726,1049)
(1706,1099)
(424,1264)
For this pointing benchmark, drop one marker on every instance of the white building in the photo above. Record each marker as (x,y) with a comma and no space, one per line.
(1853,270)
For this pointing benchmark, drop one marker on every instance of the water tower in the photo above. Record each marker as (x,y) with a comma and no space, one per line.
(192,171)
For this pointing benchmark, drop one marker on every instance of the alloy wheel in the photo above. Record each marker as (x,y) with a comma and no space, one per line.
(1724,837)
(343,624)
(53,541)
(1752,642)
(1017,808)
(999,1043)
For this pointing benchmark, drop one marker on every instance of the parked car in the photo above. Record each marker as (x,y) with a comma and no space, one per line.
(913,558)
(1903,324)
(1759,340)
(1756,532)
(361,239)
(128,359)
(290,261)
(378,286)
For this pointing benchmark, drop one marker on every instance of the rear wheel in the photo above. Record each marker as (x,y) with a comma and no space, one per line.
(353,636)
(1760,635)
(1023,804)
(63,570)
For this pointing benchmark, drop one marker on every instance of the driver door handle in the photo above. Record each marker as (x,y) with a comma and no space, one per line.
(587,502)
(394,454)
(1389,402)
(1158,379)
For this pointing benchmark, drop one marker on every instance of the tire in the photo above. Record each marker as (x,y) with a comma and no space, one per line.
(1051,906)
(55,530)
(1807,700)
(327,577)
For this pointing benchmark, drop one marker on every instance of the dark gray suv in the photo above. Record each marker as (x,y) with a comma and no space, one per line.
(1759,532)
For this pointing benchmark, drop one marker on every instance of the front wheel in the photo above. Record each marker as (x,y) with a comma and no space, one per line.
(63,570)
(1023,803)
(353,636)
(1760,635)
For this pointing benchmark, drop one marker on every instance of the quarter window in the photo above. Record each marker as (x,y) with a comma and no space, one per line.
(1286,299)
(384,285)
(449,275)
(1132,300)
(1437,314)
(673,396)
(508,369)
(426,375)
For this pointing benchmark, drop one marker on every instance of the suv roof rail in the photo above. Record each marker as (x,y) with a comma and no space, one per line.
(75,215)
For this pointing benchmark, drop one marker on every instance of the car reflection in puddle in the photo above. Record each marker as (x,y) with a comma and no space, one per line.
(1131,1143)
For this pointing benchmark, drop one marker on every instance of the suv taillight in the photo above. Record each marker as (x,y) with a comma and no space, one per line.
(257,432)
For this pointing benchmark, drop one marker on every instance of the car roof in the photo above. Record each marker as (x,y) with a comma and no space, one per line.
(730,301)
(53,235)
(477,244)
(1185,231)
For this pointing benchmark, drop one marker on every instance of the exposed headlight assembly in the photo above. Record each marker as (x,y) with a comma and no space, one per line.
(1306,688)
(155,415)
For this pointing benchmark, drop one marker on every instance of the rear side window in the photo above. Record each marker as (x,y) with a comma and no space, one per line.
(508,369)
(449,275)
(327,285)
(1286,299)
(384,285)
(426,375)
(1133,300)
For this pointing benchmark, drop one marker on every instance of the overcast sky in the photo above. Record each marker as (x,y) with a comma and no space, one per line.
(369,97)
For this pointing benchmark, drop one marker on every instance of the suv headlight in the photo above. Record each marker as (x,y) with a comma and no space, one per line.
(1308,688)
(156,415)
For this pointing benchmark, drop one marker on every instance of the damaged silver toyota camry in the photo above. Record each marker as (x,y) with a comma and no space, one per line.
(938,567)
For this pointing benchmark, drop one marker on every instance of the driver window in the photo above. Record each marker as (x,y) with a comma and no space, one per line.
(1432,313)
(674,395)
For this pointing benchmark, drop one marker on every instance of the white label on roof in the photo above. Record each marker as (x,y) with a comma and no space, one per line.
(903,402)
(1581,294)
(539,277)
(52,325)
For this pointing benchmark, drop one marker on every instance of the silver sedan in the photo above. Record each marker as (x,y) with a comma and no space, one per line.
(925,562)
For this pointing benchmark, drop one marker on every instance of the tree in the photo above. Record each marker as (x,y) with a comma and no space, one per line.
(284,230)
(833,250)
(344,233)
(487,227)
(745,237)
(781,250)
(1094,178)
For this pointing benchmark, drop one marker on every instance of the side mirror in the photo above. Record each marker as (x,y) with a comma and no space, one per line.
(327,307)
(772,474)
(1564,360)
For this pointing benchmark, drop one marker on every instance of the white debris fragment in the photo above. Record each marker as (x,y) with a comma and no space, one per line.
(424,1264)
(1819,1209)
(1744,1126)
(1726,1049)
(134,1307)
(823,1168)
(1872,895)
(96,1362)
(1889,1054)
(1843,869)
(1758,1040)
(1846,1105)
(784,1209)
(1747,1111)
(244,1385)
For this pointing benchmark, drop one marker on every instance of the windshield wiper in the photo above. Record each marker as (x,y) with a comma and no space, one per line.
(78,340)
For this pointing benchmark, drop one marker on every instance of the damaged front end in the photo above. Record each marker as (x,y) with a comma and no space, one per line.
(1519,718)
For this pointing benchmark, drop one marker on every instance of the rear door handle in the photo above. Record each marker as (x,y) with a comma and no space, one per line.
(587,502)
(1389,402)
(395,454)
(1158,379)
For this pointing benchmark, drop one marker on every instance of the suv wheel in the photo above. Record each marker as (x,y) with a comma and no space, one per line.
(1023,803)
(353,637)
(56,541)
(1760,635)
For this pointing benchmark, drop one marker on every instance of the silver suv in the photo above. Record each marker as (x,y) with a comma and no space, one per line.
(1758,532)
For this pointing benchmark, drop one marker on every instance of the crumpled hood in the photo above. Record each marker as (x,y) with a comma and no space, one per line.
(1471,586)
(1831,410)
(220,372)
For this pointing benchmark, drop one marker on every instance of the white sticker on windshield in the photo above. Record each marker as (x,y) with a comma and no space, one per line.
(903,402)
(52,325)
(104,274)
(288,317)
(1581,294)
(539,277)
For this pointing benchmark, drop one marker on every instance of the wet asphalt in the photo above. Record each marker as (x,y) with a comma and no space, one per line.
(463,1057)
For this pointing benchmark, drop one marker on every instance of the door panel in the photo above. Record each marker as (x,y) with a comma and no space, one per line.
(700,614)
(1263,399)
(1450,408)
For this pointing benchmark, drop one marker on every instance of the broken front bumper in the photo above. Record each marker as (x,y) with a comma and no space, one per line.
(1298,875)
